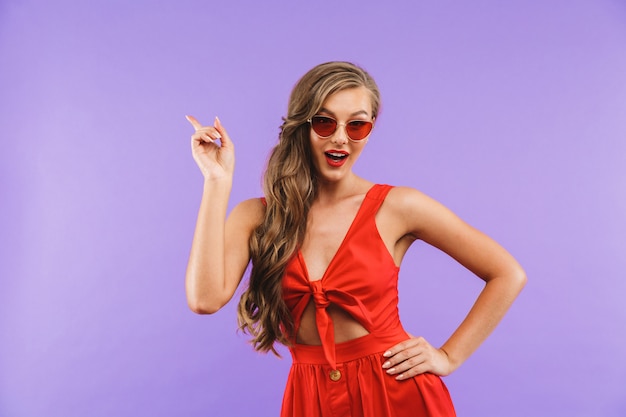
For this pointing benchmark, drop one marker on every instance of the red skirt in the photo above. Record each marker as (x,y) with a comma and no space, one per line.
(359,386)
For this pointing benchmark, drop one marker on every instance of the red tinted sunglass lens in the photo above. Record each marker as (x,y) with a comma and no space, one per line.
(358,129)
(323,126)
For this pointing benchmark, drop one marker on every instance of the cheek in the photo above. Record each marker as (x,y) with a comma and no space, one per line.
(358,149)
(315,143)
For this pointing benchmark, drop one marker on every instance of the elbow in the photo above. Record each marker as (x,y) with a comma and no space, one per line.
(202,307)
(513,279)
(203,300)
(519,278)
(205,304)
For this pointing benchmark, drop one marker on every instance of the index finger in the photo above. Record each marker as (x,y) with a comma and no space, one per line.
(399,347)
(194,122)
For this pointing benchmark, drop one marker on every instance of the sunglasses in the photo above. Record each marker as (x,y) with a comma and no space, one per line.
(356,130)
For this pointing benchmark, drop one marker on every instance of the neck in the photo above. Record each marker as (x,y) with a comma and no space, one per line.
(329,191)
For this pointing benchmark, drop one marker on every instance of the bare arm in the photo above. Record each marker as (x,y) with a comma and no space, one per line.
(219,252)
(504,278)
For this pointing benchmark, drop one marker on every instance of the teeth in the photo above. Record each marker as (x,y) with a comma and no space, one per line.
(337,155)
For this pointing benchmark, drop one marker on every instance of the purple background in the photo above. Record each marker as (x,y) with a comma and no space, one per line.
(511,113)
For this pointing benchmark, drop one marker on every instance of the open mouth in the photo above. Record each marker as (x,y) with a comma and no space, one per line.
(336,158)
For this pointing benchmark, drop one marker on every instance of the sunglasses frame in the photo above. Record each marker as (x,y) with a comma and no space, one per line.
(345,126)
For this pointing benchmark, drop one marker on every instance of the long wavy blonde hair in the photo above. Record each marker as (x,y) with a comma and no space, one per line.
(290,186)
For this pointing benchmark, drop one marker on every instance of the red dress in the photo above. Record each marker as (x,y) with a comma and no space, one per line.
(347,379)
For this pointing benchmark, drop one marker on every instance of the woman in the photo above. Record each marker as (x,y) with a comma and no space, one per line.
(326,246)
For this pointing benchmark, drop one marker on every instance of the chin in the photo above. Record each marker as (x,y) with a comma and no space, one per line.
(331,177)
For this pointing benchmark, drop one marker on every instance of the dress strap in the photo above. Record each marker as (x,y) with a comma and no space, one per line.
(379,192)
(372,202)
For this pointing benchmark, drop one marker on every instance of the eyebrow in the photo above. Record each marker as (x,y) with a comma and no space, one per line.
(356,113)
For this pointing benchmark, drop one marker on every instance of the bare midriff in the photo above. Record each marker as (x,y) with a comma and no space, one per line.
(346,327)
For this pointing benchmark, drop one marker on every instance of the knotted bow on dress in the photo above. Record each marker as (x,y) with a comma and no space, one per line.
(323,295)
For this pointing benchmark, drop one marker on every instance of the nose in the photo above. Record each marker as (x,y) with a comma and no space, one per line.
(340,136)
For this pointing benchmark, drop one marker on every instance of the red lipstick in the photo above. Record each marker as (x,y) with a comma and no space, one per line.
(336,158)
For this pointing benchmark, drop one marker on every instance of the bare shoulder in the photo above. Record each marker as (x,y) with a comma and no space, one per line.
(251,207)
(405,198)
(408,201)
(415,210)
(248,214)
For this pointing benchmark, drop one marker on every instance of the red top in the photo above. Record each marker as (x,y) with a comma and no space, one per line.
(361,278)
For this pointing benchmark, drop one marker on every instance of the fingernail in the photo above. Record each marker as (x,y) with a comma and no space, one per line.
(218,125)
(387,354)
(391,371)
(401,376)
(386,364)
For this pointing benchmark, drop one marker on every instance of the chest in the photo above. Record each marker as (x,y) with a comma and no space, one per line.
(327,229)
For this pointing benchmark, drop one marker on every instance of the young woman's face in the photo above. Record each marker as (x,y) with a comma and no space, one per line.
(334,156)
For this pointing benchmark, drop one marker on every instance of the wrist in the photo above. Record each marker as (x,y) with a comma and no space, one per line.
(452,364)
(217,188)
(225,181)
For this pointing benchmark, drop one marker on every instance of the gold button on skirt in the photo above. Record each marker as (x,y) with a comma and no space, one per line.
(335,375)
